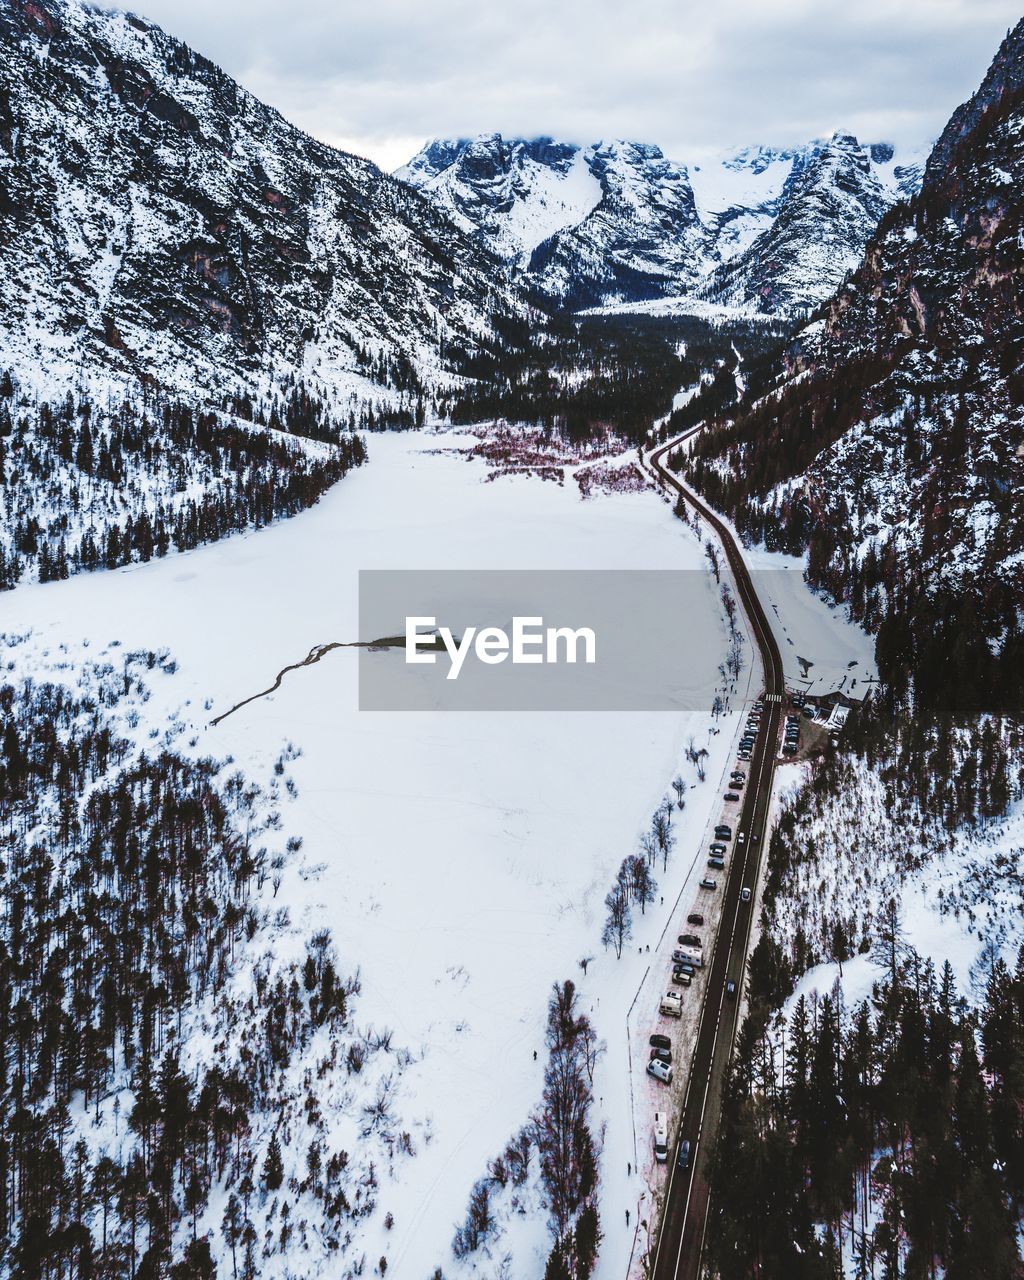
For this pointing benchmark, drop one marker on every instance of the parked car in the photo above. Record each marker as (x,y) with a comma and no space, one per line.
(738,775)
(736,783)
(658,1041)
(730,989)
(681,977)
(681,957)
(660,1071)
(730,796)
(671,1004)
(708,883)
(663,1055)
(744,756)
(689,940)
(717,847)
(789,749)
(683,1159)
(745,894)
(660,1138)
(684,966)
(695,917)
(716,864)
(723,832)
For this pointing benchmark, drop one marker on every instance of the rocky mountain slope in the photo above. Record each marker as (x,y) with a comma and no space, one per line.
(769,230)
(896,455)
(815,229)
(160,223)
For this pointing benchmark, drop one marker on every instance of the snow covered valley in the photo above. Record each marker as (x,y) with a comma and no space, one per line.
(459,862)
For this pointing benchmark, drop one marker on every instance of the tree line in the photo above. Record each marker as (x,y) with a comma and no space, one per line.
(84,487)
(884,1140)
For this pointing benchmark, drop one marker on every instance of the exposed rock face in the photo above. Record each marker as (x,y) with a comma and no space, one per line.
(829,205)
(158,221)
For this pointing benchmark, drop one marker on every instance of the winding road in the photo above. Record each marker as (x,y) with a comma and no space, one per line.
(680,1241)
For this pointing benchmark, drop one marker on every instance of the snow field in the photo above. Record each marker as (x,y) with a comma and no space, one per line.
(460,862)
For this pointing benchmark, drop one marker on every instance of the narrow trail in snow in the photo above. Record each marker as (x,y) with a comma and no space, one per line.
(317,652)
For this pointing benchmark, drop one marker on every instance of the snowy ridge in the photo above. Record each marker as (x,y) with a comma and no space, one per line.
(617,225)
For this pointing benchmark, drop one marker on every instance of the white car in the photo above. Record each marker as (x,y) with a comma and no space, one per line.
(745,894)
(660,1070)
(671,1005)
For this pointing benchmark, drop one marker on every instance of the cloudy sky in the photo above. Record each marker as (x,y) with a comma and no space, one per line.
(378,77)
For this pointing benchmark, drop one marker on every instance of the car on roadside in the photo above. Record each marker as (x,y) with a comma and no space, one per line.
(671,1005)
(738,775)
(708,883)
(660,1070)
(681,978)
(723,832)
(716,864)
(736,784)
(730,797)
(658,1041)
(789,749)
(684,966)
(696,918)
(689,940)
(744,756)
(660,1138)
(717,848)
(662,1055)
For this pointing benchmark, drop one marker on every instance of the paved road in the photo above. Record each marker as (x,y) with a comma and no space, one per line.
(680,1242)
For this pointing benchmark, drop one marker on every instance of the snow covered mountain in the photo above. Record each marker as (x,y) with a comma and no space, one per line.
(791,249)
(585,223)
(619,223)
(160,223)
(895,454)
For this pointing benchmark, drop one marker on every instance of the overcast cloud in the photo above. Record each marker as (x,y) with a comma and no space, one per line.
(380,77)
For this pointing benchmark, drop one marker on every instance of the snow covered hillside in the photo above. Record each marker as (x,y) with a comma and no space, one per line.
(161,224)
(888,444)
(84,487)
(460,863)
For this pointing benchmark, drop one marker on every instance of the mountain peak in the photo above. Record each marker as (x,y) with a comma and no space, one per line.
(617,221)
